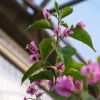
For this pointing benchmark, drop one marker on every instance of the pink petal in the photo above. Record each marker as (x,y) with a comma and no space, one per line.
(85,71)
(50,85)
(97,76)
(57,31)
(32,47)
(67,32)
(60,67)
(34,58)
(46,14)
(79,85)
(64,86)
(81,25)
(25,98)
(91,81)
(31,89)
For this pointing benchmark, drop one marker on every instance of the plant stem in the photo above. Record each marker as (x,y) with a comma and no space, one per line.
(78,94)
(49,54)
(80,97)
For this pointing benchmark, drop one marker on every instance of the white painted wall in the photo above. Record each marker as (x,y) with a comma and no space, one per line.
(10,82)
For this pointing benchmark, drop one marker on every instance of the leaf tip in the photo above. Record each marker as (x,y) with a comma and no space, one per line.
(94,49)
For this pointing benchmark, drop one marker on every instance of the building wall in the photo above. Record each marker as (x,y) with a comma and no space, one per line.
(10,75)
(10,81)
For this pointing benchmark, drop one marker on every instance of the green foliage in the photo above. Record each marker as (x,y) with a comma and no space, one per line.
(58,50)
(53,14)
(87,96)
(56,6)
(45,48)
(67,53)
(98,59)
(66,11)
(71,63)
(48,75)
(58,59)
(82,36)
(33,69)
(64,24)
(76,76)
(40,24)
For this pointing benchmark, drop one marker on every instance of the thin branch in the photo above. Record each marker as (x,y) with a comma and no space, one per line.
(44,3)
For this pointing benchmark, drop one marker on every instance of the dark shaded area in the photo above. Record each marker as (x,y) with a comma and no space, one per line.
(14,19)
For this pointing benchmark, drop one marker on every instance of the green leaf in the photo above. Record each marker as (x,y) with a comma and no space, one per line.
(40,24)
(55,96)
(71,63)
(73,98)
(33,69)
(76,76)
(56,6)
(55,15)
(66,11)
(45,48)
(48,75)
(58,50)
(64,24)
(67,53)
(83,36)
(87,96)
(98,59)
(58,59)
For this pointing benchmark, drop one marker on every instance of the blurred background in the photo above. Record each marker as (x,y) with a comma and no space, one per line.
(16,15)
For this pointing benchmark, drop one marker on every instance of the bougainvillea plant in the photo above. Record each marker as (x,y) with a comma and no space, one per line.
(62,77)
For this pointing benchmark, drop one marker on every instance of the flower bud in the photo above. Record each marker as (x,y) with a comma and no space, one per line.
(34,57)
(81,25)
(67,32)
(60,67)
(31,89)
(46,14)
(57,31)
(32,47)
(25,98)
(50,85)
(78,85)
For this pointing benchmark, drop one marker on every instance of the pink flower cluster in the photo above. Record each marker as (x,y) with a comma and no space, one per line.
(67,31)
(32,90)
(60,67)
(58,32)
(65,86)
(35,56)
(92,72)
